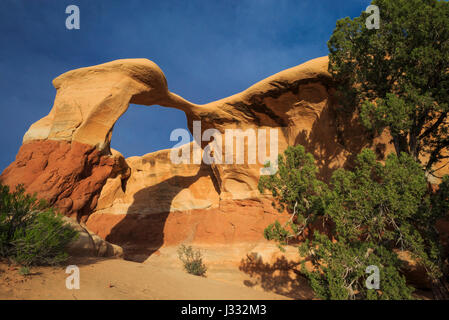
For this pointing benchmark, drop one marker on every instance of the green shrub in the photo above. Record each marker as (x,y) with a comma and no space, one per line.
(340,270)
(192,260)
(387,204)
(31,233)
(24,271)
(373,211)
(297,189)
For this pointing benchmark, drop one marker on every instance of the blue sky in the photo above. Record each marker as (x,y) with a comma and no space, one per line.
(208,50)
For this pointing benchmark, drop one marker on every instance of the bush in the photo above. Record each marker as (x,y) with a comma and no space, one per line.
(340,270)
(373,211)
(296,188)
(24,271)
(390,204)
(30,231)
(192,260)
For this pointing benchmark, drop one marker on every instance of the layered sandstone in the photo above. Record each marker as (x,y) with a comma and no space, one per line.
(67,175)
(148,201)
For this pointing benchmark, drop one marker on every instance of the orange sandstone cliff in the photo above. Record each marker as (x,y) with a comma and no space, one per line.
(142,203)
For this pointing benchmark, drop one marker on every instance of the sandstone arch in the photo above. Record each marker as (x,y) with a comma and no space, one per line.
(90,100)
(66,157)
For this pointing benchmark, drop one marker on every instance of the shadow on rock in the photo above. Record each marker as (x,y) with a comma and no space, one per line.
(281,277)
(335,139)
(141,234)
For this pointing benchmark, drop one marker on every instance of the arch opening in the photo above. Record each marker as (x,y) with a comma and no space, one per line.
(142,129)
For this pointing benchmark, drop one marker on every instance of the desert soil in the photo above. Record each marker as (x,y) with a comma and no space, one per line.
(102,278)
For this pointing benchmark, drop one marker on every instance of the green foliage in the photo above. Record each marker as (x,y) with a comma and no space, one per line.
(279,233)
(387,204)
(297,189)
(30,232)
(375,210)
(439,199)
(192,260)
(397,77)
(340,272)
(43,241)
(24,271)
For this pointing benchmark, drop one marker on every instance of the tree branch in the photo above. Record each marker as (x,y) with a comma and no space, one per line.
(434,126)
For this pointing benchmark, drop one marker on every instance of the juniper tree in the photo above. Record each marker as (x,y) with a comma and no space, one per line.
(297,189)
(374,210)
(397,77)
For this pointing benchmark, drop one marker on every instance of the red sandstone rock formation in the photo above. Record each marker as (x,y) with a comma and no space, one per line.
(68,175)
(149,201)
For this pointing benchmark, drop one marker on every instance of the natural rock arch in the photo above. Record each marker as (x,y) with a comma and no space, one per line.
(66,156)
(89,101)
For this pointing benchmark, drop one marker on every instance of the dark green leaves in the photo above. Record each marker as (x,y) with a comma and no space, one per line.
(397,77)
(372,211)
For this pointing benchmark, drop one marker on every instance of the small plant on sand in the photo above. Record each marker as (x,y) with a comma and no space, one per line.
(192,260)
(24,271)
(31,233)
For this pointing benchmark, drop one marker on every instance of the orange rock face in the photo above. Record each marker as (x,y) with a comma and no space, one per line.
(68,176)
(238,221)
(145,202)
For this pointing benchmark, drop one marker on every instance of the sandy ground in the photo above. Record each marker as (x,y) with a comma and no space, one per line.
(121,279)
(160,277)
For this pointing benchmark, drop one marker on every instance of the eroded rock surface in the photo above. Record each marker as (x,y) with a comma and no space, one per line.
(145,202)
(69,176)
(89,244)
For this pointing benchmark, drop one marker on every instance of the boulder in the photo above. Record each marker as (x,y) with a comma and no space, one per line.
(90,244)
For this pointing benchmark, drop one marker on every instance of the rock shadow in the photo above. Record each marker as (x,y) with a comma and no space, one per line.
(336,138)
(281,277)
(140,234)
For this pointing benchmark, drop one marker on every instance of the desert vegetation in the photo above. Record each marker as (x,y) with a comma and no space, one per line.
(370,213)
(31,232)
(392,79)
(396,78)
(192,260)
